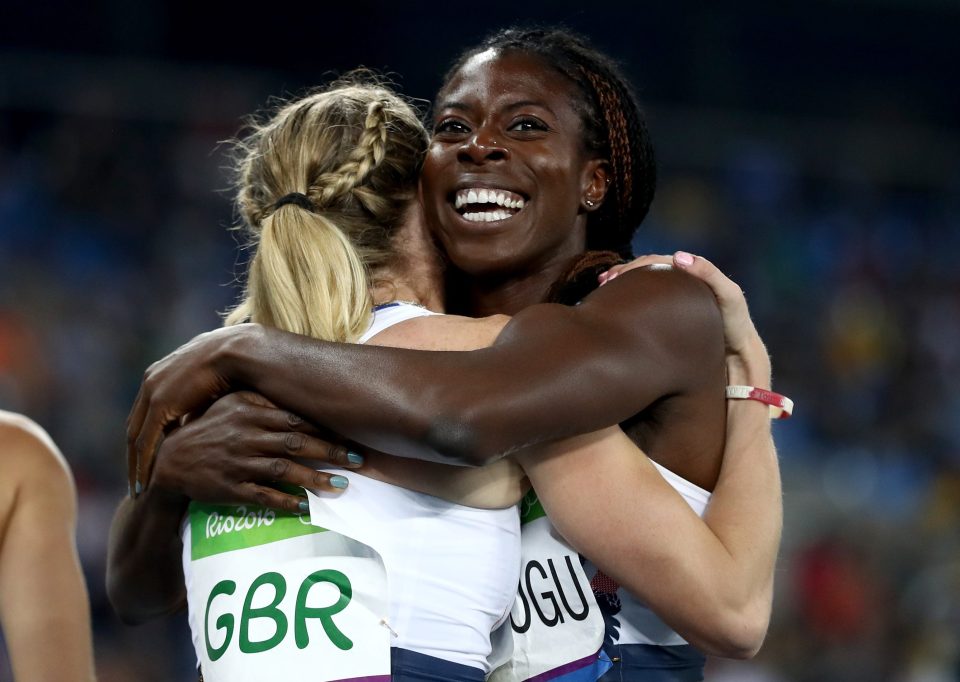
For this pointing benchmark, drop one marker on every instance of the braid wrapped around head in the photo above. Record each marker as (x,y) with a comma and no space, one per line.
(364,159)
(322,186)
(613,123)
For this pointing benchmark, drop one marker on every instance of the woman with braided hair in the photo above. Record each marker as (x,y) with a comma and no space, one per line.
(525,171)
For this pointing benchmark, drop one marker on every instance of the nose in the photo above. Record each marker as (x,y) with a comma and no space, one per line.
(482,147)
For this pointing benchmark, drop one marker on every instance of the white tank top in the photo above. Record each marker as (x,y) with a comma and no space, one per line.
(638,624)
(451,570)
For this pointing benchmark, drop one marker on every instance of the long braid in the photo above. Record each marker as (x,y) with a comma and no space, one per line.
(620,161)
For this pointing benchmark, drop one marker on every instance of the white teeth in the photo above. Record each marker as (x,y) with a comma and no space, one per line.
(486,216)
(488,199)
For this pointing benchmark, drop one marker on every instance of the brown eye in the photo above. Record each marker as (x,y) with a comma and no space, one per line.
(529,124)
(451,126)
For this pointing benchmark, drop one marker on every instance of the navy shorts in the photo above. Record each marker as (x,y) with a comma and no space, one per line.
(410,666)
(649,663)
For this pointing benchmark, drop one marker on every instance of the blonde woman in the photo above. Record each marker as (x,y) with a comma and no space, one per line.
(43,598)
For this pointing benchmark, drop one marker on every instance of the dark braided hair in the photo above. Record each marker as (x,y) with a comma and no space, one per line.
(613,124)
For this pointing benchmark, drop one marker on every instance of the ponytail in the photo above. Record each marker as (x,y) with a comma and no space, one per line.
(307,277)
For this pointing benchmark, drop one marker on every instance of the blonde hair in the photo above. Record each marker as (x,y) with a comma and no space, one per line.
(343,165)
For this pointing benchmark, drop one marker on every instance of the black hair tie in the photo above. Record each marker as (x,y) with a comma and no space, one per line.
(297,198)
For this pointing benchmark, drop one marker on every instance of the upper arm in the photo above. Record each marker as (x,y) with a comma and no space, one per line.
(42,592)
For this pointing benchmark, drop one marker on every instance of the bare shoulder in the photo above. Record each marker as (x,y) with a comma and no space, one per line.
(443,332)
(658,300)
(29,458)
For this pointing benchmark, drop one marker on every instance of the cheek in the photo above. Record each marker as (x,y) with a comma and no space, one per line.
(430,172)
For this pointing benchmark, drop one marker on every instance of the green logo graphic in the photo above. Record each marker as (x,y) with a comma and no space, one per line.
(218,528)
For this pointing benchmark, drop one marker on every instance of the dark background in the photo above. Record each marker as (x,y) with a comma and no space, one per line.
(810,149)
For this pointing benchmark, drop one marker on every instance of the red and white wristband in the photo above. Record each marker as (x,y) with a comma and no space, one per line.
(781,406)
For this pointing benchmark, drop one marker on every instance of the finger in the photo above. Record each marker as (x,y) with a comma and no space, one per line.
(134,426)
(283,470)
(295,444)
(146,445)
(639,262)
(254,398)
(286,434)
(726,290)
(264,496)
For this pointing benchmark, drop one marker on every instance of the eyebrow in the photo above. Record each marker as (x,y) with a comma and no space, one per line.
(462,106)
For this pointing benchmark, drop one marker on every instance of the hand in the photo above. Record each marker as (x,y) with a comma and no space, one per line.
(739,332)
(241,445)
(187,380)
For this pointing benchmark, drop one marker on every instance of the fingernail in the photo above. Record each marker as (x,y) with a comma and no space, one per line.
(304,506)
(683,258)
(339,482)
(137,489)
(603,277)
(354,458)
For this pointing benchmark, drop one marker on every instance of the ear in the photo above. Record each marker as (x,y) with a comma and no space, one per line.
(596,181)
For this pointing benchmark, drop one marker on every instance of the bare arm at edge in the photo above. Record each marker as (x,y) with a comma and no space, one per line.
(43,597)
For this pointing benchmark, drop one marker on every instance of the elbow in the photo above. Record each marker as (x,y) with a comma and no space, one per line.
(124,606)
(740,635)
(135,606)
(459,438)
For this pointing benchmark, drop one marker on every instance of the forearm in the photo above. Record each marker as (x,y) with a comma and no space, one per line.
(726,566)
(465,407)
(553,372)
(144,568)
(746,509)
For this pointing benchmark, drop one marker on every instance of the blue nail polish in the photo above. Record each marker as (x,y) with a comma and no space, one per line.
(137,489)
(304,506)
(339,482)
(354,458)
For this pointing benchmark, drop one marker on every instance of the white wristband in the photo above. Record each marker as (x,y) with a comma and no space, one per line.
(781,406)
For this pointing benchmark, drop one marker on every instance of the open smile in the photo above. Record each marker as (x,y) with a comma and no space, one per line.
(487,205)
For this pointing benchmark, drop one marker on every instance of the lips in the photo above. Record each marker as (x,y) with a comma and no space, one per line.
(486,204)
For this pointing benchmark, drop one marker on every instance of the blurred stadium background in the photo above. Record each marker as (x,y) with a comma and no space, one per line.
(810,149)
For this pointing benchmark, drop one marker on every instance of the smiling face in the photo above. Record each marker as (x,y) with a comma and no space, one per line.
(507,181)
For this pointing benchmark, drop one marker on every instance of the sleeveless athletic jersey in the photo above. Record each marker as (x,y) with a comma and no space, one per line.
(272,595)
(636,637)
(555,631)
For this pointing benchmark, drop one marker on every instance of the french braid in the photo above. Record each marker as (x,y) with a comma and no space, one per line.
(366,157)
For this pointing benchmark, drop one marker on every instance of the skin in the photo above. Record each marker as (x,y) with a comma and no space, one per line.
(621,353)
(43,597)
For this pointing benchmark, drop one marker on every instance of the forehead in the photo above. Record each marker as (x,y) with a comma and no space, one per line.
(496,77)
